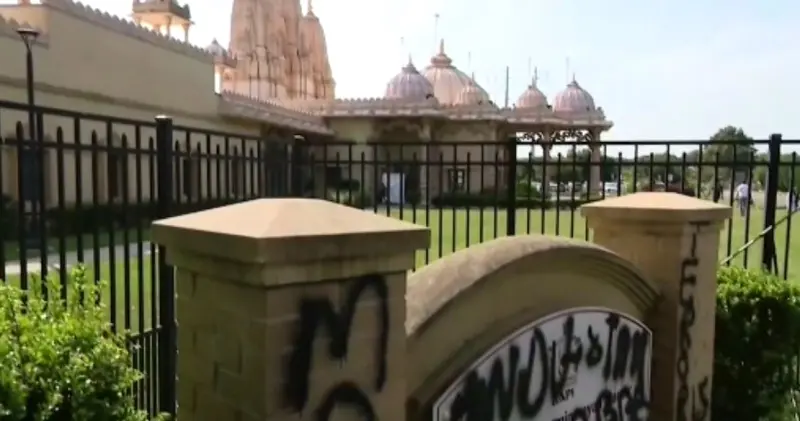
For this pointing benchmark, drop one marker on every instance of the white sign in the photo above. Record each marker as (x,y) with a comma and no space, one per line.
(567,366)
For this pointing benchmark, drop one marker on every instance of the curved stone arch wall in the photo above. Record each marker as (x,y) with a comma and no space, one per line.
(461,305)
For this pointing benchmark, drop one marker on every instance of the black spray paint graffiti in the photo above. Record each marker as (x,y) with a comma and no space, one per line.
(319,314)
(698,393)
(623,353)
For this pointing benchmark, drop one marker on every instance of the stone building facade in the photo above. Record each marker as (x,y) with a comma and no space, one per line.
(100,79)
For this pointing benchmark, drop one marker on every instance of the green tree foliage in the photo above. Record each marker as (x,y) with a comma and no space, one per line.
(730,156)
(574,166)
(735,152)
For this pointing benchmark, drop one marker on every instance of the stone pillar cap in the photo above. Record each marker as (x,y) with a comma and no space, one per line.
(288,231)
(655,207)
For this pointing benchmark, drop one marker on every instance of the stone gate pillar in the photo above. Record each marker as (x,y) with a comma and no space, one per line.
(674,240)
(290,309)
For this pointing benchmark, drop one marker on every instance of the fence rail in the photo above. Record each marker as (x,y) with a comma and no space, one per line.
(84,188)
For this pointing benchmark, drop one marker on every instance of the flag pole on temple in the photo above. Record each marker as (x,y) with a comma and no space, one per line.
(435,32)
(508,77)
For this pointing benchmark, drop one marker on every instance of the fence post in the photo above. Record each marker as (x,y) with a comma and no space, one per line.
(167,341)
(768,256)
(295,169)
(511,185)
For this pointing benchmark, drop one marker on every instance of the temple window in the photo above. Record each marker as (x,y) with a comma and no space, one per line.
(190,174)
(237,174)
(116,165)
(457,178)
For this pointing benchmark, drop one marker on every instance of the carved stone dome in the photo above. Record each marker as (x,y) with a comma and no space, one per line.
(448,81)
(574,99)
(532,98)
(216,49)
(473,94)
(409,84)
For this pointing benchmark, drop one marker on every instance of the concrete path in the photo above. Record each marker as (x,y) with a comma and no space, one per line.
(53,259)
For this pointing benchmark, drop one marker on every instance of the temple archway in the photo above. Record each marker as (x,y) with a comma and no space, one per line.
(462,306)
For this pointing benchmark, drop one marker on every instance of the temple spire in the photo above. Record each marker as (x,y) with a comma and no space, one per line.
(535,79)
(441,46)
(309,7)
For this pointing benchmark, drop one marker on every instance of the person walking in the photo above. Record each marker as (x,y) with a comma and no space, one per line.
(792,200)
(717,192)
(743,197)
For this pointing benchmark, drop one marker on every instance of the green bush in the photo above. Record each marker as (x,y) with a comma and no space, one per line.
(59,360)
(528,191)
(356,199)
(756,345)
(77,220)
(500,199)
(9,219)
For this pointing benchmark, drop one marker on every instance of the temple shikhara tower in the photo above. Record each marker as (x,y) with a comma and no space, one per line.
(282,52)
(274,81)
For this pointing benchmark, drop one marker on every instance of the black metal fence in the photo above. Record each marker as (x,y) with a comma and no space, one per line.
(84,188)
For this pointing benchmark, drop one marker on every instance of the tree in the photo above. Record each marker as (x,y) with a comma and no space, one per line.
(733,150)
(660,167)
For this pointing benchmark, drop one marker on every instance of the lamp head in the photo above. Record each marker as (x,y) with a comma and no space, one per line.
(28,34)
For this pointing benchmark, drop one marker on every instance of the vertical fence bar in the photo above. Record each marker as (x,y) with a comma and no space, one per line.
(167,346)
(511,185)
(40,209)
(22,226)
(768,255)
(295,166)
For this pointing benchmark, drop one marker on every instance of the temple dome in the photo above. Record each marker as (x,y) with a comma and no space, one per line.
(532,98)
(409,84)
(216,49)
(472,94)
(448,82)
(574,99)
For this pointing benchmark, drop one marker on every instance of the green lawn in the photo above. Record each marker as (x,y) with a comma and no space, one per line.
(72,242)
(130,296)
(453,230)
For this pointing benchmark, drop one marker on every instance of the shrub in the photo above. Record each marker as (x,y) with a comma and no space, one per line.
(9,219)
(756,345)
(59,360)
(78,220)
(500,199)
(527,190)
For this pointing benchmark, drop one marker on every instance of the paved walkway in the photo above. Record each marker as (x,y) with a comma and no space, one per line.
(54,259)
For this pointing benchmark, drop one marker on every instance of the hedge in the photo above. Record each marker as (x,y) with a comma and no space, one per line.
(76,220)
(756,346)
(488,200)
(59,360)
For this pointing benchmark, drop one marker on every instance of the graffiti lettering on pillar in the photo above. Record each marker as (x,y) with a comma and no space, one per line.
(693,398)
(319,319)
(579,364)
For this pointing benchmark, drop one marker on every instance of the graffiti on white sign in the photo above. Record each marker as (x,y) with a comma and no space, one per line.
(579,364)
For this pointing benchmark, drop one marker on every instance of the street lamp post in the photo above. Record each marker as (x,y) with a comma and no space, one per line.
(29,36)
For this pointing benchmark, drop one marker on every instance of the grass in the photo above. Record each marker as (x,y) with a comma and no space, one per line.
(131,296)
(11,249)
(453,230)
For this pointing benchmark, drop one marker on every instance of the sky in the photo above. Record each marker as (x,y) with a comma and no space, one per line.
(676,69)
